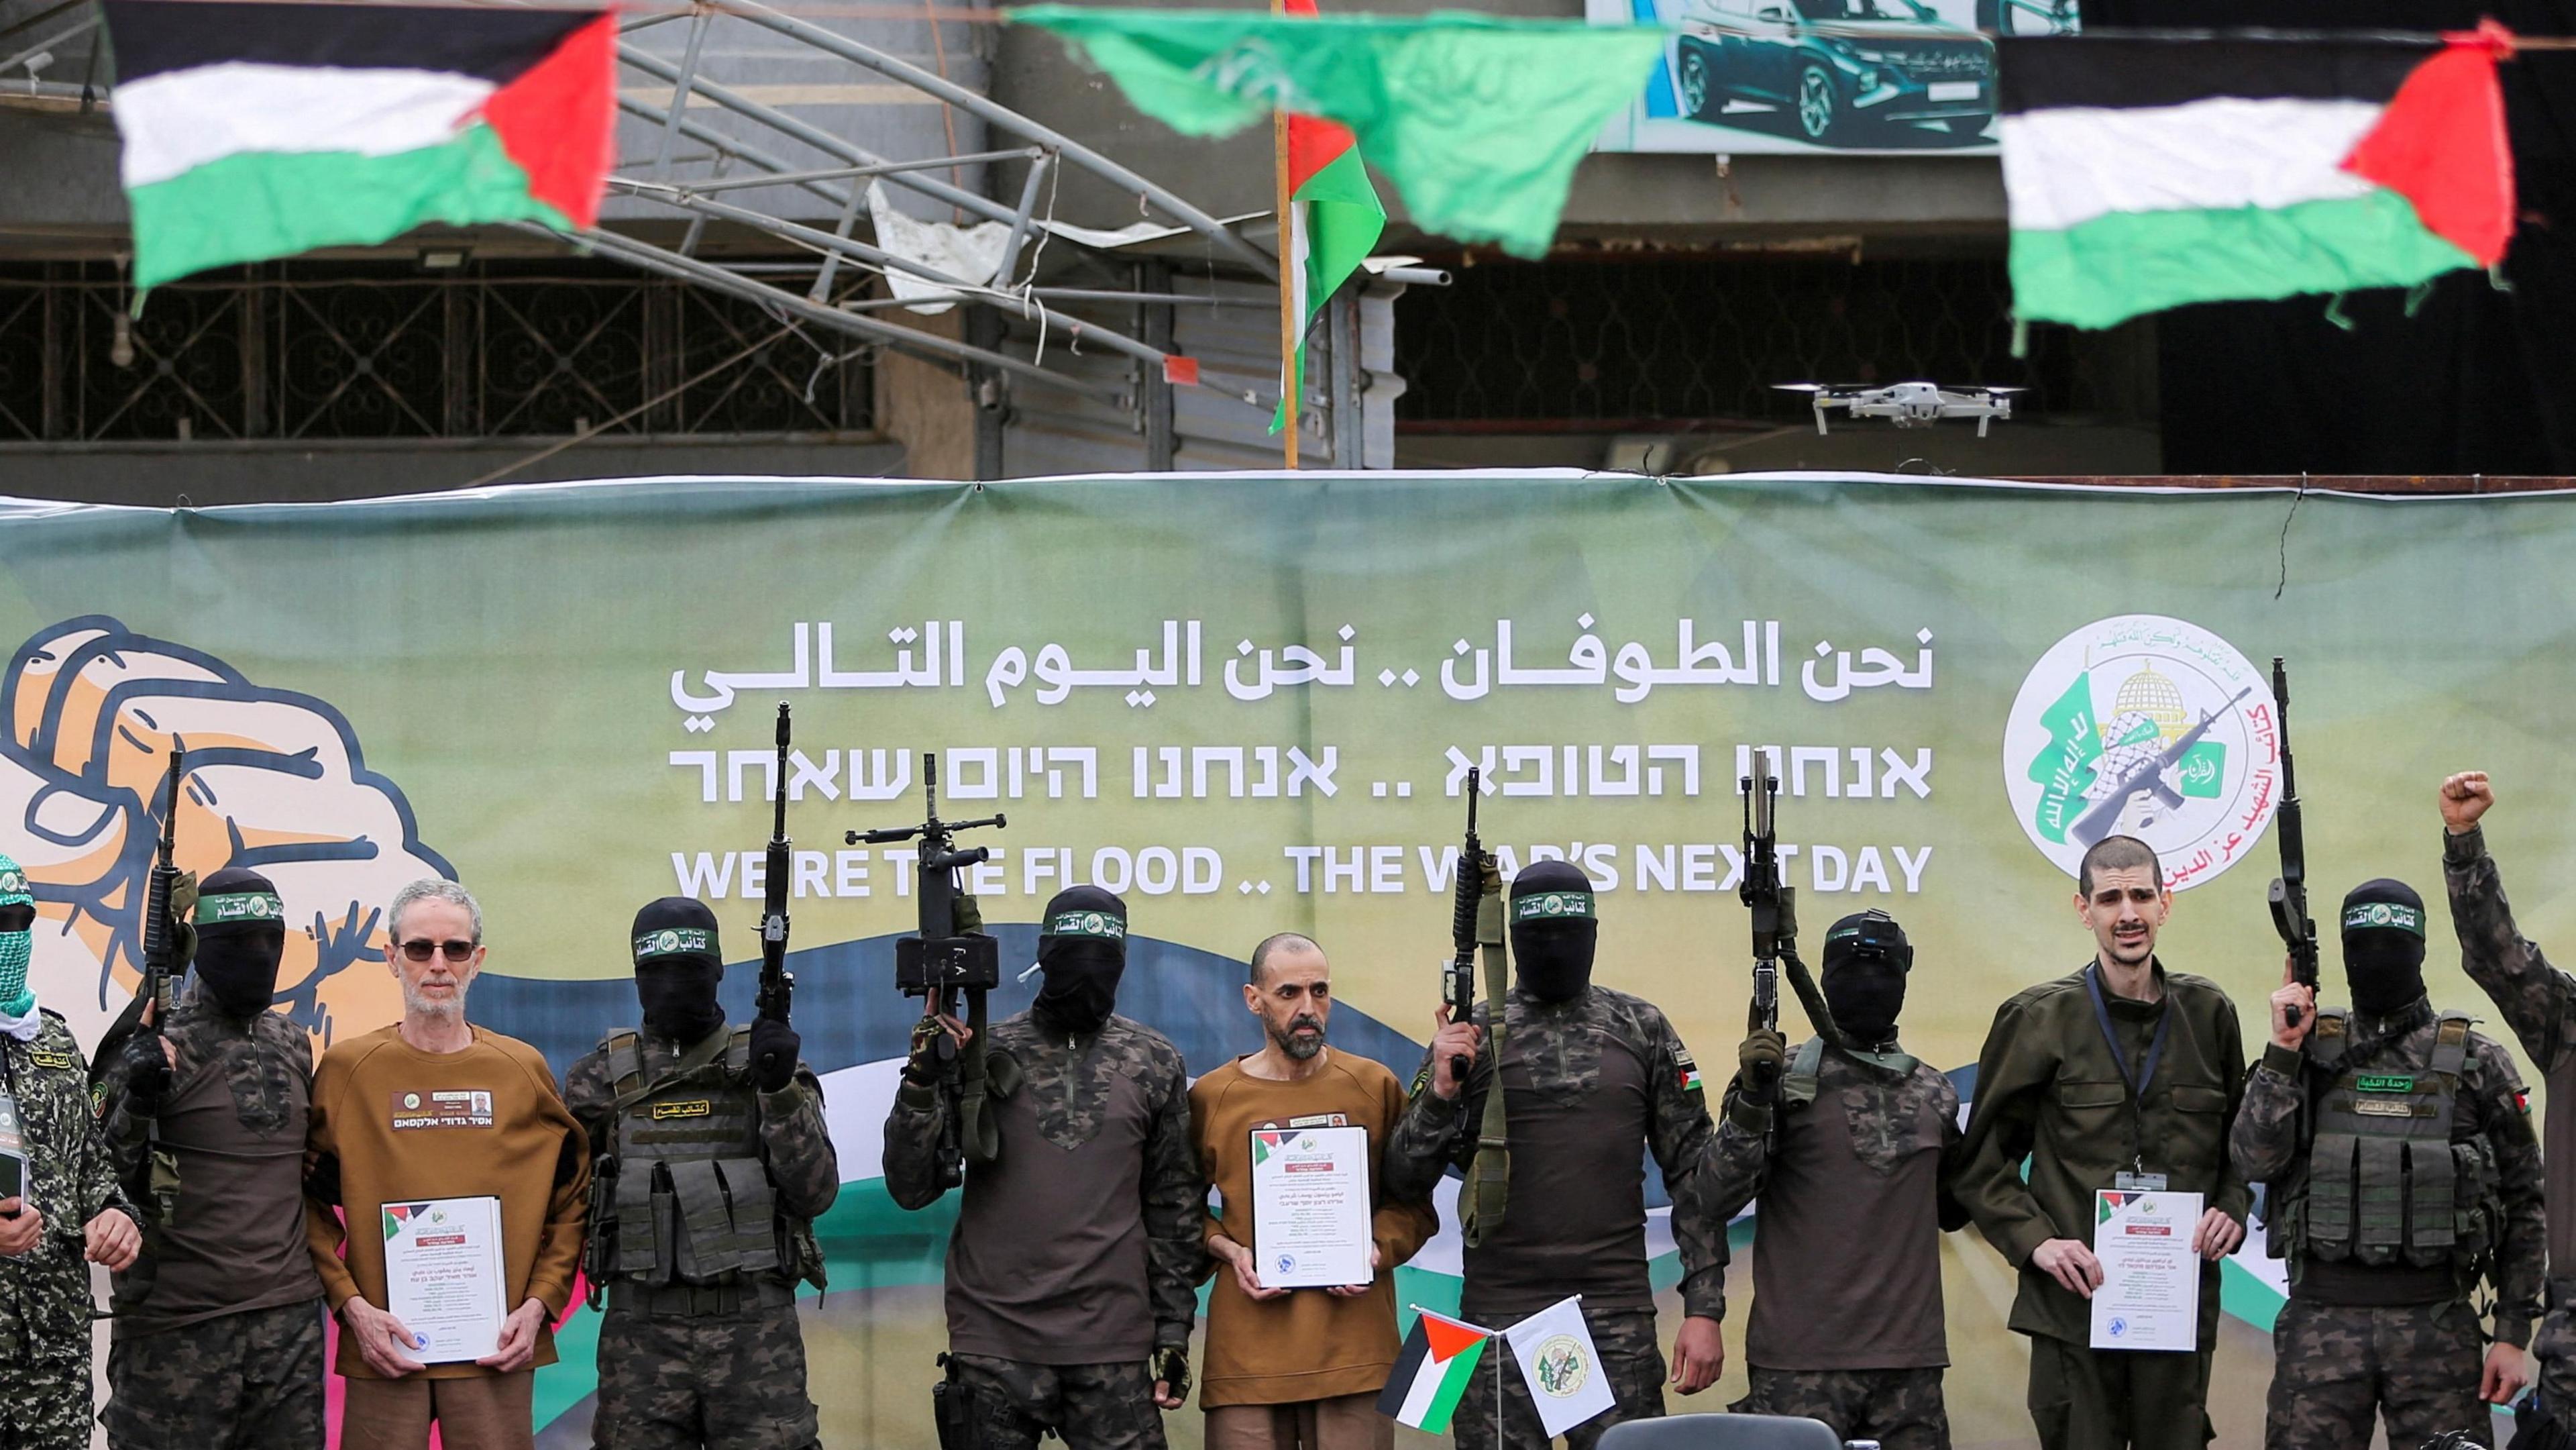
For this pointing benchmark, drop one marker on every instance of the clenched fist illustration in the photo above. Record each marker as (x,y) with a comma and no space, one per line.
(271,780)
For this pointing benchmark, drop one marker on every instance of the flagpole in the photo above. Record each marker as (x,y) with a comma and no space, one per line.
(1288,319)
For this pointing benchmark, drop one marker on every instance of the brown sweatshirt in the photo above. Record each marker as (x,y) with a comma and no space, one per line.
(1309,1345)
(406,1124)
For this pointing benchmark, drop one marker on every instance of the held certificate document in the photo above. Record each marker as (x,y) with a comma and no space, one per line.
(2150,1294)
(1310,1207)
(443,1275)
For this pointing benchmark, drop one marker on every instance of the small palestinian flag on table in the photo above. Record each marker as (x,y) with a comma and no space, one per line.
(262,130)
(2149,172)
(1433,1372)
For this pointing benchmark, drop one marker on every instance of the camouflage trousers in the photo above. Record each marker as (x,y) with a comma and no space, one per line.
(723,1381)
(2336,1365)
(2553,1348)
(47,1406)
(1630,1357)
(1091,1406)
(247,1381)
(1899,1408)
(44,1349)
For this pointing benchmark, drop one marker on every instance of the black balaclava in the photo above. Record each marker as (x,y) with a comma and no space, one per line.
(677,965)
(1554,929)
(241,934)
(1082,948)
(1866,959)
(2383,946)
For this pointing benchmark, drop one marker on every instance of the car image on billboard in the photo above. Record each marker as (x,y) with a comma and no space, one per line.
(1840,75)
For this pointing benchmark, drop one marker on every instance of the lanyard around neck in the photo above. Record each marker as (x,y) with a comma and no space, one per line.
(2145,1075)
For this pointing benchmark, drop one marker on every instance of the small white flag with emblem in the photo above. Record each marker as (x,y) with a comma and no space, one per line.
(1558,1362)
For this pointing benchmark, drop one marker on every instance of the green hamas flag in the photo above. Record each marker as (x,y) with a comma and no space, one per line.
(1478,121)
(2065,766)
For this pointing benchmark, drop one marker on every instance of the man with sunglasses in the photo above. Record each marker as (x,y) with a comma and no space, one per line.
(434,1107)
(219,1325)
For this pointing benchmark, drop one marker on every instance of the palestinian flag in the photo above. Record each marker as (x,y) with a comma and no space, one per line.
(263,130)
(2145,173)
(1334,220)
(1433,1372)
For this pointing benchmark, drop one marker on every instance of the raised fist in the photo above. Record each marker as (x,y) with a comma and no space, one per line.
(273,780)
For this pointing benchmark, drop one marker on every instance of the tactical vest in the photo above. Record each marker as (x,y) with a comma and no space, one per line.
(689,1198)
(2385,1184)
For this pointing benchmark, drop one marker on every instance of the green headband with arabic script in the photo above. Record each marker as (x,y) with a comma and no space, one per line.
(1555,906)
(2383,916)
(241,908)
(1100,924)
(675,941)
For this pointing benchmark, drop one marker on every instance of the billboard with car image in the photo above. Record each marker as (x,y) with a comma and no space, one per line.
(1750,77)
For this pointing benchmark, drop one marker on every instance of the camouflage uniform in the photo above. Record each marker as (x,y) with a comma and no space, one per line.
(1070,1084)
(1096,1406)
(251,1378)
(1891,1109)
(1561,1047)
(1899,1408)
(45,1298)
(719,1364)
(247,1381)
(2539,1003)
(2416,1364)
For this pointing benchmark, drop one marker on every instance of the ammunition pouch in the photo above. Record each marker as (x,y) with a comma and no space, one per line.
(952,1410)
(160,1202)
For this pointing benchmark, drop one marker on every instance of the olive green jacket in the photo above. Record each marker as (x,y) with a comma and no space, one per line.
(2049,1090)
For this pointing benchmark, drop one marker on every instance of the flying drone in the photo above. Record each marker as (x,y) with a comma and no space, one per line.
(1908,405)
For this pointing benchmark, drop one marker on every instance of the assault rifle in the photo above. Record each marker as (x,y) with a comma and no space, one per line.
(1774,905)
(777,984)
(164,958)
(2096,823)
(1459,978)
(2289,895)
(948,955)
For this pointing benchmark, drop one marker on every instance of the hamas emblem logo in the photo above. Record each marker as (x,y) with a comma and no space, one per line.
(1562,1366)
(2148,726)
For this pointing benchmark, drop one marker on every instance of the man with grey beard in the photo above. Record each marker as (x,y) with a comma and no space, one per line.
(1297,1369)
(433,1108)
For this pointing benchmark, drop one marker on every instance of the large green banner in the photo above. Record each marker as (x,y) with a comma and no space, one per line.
(1250,704)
